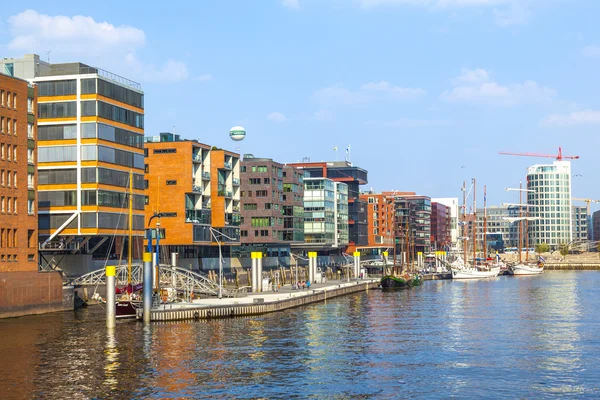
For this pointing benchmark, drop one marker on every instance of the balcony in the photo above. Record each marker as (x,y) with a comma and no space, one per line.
(197,216)
(206,176)
(225,193)
(232,219)
(30,161)
(196,189)
(227,165)
(30,186)
(236,209)
(236,181)
(197,158)
(206,206)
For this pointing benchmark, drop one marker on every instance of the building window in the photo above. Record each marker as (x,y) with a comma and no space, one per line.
(146,169)
(15,101)
(8,123)
(145,183)
(15,179)
(15,153)
(164,151)
(15,127)
(30,257)
(30,207)
(250,206)
(172,182)
(2,124)
(262,193)
(254,181)
(244,233)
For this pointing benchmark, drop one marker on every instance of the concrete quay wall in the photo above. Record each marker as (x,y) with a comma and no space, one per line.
(259,305)
(572,267)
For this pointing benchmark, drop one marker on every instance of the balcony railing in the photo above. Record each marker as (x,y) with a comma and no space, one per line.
(30,185)
(206,175)
(206,206)
(228,165)
(30,161)
(197,189)
(197,158)
(236,209)
(236,181)
(225,193)
(232,219)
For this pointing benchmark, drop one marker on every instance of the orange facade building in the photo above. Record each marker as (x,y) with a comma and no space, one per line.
(193,191)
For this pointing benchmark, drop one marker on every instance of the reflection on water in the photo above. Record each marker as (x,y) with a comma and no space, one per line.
(526,337)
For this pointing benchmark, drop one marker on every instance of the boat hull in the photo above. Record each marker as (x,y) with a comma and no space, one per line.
(472,273)
(127,308)
(393,282)
(527,270)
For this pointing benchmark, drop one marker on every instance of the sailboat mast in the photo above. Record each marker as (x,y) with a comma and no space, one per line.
(485,222)
(474,224)
(130,227)
(520,220)
(464,220)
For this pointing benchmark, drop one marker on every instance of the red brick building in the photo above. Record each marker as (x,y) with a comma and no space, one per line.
(22,289)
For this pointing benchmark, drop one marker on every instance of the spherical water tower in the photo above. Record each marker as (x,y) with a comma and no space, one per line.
(237,133)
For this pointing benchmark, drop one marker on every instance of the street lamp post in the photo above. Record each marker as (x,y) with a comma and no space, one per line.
(212,231)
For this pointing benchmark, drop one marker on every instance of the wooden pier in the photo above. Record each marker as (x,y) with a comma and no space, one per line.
(257,303)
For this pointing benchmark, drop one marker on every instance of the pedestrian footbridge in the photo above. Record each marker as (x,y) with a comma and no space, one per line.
(182,280)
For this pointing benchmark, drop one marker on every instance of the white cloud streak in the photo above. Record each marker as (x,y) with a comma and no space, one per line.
(277,117)
(586,117)
(591,51)
(477,87)
(367,93)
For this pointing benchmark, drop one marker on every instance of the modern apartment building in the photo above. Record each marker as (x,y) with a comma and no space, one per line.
(23,290)
(452,203)
(502,232)
(90,139)
(325,214)
(354,177)
(272,206)
(380,217)
(441,221)
(596,225)
(193,192)
(551,202)
(580,223)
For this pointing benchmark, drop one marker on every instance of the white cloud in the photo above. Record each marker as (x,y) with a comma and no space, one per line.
(416,123)
(276,117)
(171,71)
(81,38)
(32,31)
(323,115)
(515,14)
(586,117)
(476,86)
(591,51)
(295,4)
(369,92)
(204,77)
(432,3)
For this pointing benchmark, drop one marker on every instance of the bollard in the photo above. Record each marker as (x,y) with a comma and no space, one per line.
(256,271)
(385,263)
(312,266)
(111,304)
(147,286)
(356,264)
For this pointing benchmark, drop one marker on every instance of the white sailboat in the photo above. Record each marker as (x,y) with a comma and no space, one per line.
(460,268)
(525,268)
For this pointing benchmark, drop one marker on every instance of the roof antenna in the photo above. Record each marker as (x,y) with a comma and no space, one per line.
(48,55)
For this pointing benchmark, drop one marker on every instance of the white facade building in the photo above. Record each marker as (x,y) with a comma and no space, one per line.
(551,202)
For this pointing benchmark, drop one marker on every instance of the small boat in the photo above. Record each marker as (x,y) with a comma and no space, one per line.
(127,308)
(400,282)
(474,273)
(528,269)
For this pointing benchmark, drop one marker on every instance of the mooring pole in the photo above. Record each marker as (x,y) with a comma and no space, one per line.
(111,304)
(147,286)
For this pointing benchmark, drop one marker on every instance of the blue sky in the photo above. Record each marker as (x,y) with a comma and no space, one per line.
(426,92)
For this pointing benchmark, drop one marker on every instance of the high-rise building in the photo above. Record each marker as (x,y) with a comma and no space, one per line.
(90,138)
(413,223)
(550,201)
(354,177)
(196,191)
(23,290)
(272,206)
(325,213)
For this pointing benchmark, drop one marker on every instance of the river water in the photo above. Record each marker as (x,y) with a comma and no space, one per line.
(526,337)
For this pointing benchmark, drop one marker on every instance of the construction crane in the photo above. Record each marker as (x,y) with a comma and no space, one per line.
(588,201)
(558,156)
